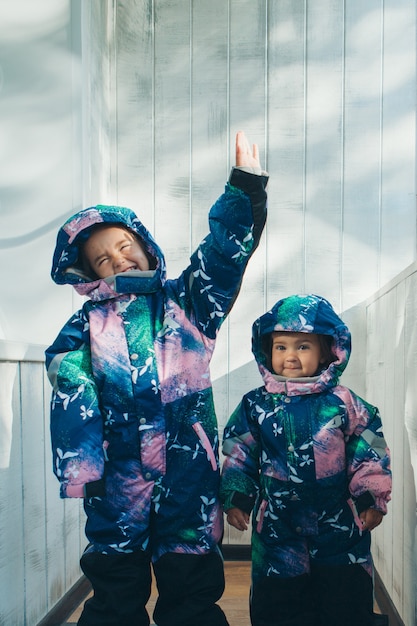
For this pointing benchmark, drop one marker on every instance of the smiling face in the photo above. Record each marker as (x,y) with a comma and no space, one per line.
(112,250)
(296,355)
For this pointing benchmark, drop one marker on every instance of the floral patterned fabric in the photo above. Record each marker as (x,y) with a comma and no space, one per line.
(133,424)
(305,454)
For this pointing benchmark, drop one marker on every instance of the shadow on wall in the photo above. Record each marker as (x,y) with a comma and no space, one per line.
(40,106)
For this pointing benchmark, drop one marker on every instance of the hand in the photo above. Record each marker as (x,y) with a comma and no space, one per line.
(371,518)
(238,518)
(245,155)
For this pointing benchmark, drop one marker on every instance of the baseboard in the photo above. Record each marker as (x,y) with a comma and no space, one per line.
(67,605)
(385,603)
(236,552)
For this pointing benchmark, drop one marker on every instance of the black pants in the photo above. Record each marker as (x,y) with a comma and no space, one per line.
(188,585)
(121,585)
(329,596)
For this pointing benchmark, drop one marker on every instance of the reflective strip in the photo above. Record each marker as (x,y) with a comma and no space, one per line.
(205,442)
(376,442)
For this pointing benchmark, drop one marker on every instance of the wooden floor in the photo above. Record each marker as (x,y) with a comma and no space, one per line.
(234,602)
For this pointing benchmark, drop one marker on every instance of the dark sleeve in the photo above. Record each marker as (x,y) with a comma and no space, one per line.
(255,186)
(212,281)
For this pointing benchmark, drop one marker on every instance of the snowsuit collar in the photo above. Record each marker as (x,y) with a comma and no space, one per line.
(306,314)
(67,267)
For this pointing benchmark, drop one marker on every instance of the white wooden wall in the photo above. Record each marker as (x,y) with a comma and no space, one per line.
(41,536)
(137,102)
(391,384)
(383,370)
(327,90)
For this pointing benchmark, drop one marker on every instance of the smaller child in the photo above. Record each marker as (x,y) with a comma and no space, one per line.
(308,458)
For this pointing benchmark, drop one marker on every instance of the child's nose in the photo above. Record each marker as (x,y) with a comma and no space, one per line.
(291,353)
(118,260)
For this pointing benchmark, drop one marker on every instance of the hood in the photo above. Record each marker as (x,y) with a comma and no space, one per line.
(305,314)
(67,266)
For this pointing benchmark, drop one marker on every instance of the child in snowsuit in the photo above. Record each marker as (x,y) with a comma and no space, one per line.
(133,426)
(308,458)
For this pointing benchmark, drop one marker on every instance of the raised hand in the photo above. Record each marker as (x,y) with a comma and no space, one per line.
(246,155)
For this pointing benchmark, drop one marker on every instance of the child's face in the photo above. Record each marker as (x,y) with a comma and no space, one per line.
(295,355)
(113,250)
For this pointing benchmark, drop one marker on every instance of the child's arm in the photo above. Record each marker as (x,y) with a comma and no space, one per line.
(76,421)
(240,470)
(237,518)
(212,281)
(368,458)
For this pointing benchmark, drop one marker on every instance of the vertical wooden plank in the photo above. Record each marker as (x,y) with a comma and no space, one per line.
(409,553)
(376,377)
(407,557)
(361,150)
(399,143)
(34,516)
(248,97)
(54,507)
(391,386)
(172,131)
(247,75)
(210,147)
(12,572)
(353,376)
(135,107)
(286,154)
(65,539)
(324,144)
(394,543)
(100,183)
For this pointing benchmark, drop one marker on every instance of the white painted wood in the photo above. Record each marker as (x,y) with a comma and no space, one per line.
(323,146)
(41,536)
(138,102)
(135,109)
(285,157)
(361,158)
(40,105)
(390,375)
(248,98)
(12,561)
(172,131)
(397,120)
(33,481)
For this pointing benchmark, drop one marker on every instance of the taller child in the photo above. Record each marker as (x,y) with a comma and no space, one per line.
(133,425)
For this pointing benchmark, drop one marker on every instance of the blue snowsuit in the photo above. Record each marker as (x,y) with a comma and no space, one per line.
(305,455)
(133,424)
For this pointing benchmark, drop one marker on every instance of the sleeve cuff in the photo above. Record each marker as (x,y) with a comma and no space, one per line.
(94,489)
(258,171)
(241,501)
